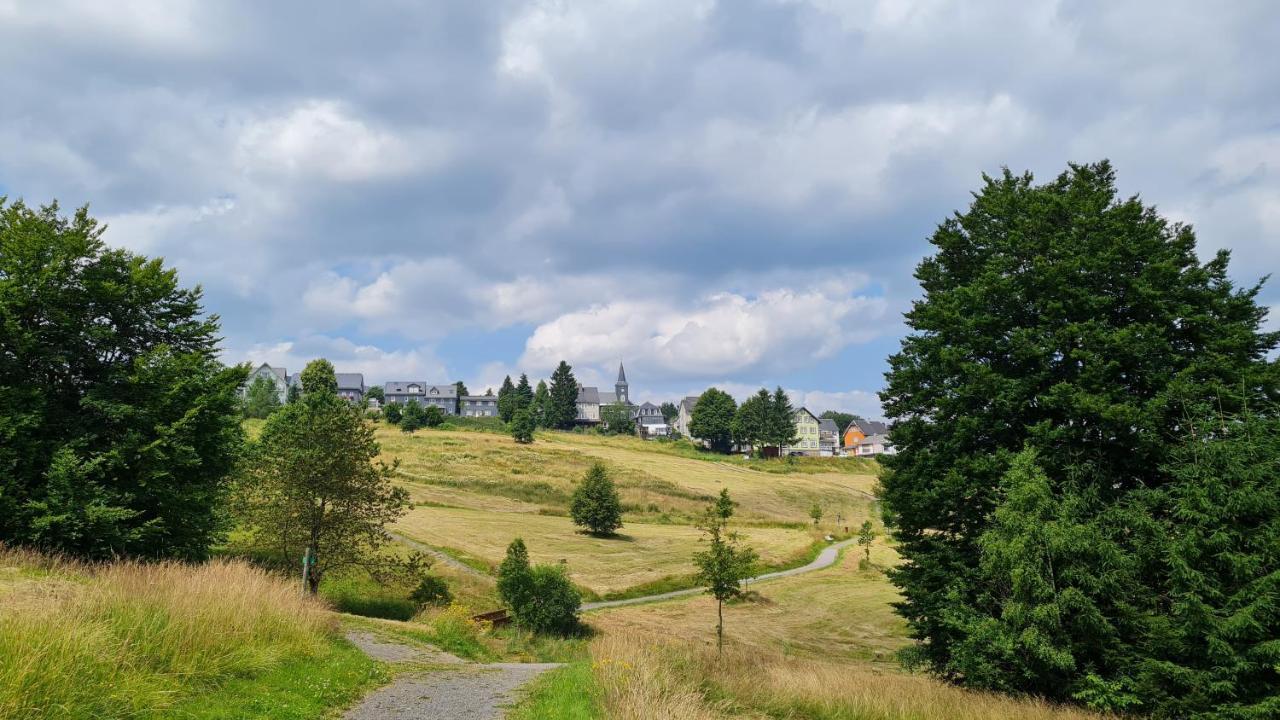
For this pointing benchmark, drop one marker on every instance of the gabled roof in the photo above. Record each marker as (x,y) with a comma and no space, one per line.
(277,371)
(689,402)
(588,395)
(401,387)
(878,438)
(806,412)
(608,398)
(350,381)
(828,425)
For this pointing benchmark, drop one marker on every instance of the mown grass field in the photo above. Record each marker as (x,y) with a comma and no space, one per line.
(476,491)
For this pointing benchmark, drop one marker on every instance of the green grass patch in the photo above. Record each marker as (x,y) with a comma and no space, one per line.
(298,689)
(365,596)
(567,693)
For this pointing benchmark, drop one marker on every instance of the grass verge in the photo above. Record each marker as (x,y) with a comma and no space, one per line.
(567,693)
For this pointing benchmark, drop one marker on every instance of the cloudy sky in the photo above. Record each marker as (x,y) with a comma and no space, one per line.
(729,193)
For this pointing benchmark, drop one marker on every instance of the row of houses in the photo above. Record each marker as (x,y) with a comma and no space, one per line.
(818,437)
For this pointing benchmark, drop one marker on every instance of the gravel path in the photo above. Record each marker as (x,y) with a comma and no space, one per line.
(472,692)
(825,559)
(443,557)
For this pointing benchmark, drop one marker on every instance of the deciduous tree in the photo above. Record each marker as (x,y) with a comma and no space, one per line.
(119,427)
(726,562)
(712,419)
(313,485)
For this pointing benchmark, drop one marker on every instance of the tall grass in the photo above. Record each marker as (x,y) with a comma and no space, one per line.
(643,678)
(128,639)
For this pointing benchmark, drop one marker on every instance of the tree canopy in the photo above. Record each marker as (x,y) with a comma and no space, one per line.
(596,505)
(261,398)
(712,419)
(118,424)
(1065,341)
(313,482)
(562,410)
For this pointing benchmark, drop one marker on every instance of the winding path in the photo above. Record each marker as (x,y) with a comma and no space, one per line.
(825,559)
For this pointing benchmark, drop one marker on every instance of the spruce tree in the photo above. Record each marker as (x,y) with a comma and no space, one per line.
(522,426)
(780,427)
(523,393)
(596,505)
(751,422)
(507,401)
(539,408)
(562,409)
(1079,326)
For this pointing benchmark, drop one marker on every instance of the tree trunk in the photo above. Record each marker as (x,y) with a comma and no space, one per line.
(719,627)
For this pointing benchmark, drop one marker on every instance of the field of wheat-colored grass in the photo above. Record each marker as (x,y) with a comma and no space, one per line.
(840,613)
(639,554)
(131,639)
(647,677)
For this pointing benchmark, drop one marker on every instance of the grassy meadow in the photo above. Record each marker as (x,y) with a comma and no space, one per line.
(476,491)
(167,640)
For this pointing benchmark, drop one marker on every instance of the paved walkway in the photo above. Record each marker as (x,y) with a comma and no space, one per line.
(825,559)
(455,689)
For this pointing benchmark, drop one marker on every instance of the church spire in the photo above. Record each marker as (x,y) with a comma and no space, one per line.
(622,374)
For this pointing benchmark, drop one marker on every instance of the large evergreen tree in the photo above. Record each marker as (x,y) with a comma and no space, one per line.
(524,393)
(712,419)
(507,401)
(1079,326)
(118,424)
(780,426)
(596,505)
(750,424)
(261,399)
(562,409)
(539,408)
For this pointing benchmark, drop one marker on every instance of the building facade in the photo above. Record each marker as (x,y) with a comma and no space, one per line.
(403,392)
(278,377)
(479,406)
(807,436)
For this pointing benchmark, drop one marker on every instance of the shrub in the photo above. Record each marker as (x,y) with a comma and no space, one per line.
(514,575)
(432,416)
(553,602)
(522,426)
(595,503)
(392,413)
(431,590)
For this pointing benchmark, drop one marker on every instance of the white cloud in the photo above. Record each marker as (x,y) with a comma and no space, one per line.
(145,231)
(721,333)
(325,138)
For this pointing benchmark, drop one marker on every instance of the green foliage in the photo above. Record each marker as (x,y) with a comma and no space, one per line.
(562,408)
(712,419)
(118,424)
(541,599)
(553,602)
(765,420)
(392,413)
(841,419)
(596,505)
(514,583)
(508,403)
(669,412)
(432,416)
(431,590)
(726,562)
(293,393)
(616,419)
(313,481)
(524,393)
(360,594)
(540,408)
(319,377)
(375,393)
(522,426)
(1041,405)
(460,391)
(866,536)
(261,399)
(413,416)
(815,513)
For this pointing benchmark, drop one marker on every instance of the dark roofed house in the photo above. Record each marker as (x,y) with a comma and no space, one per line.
(588,404)
(351,386)
(479,406)
(828,437)
(444,397)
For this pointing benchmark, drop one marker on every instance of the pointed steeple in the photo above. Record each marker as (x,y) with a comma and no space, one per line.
(622,374)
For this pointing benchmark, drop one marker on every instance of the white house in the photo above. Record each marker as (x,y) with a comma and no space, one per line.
(278,377)
(875,445)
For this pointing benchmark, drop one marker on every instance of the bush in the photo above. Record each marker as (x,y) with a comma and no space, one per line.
(431,590)
(392,413)
(595,503)
(522,426)
(432,416)
(553,603)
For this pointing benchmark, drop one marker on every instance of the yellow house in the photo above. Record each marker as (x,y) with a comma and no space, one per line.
(807,435)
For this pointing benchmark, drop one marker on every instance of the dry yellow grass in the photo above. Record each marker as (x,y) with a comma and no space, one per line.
(490,471)
(644,678)
(642,552)
(839,613)
(128,638)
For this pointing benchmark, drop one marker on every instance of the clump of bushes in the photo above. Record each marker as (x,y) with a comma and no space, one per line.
(541,598)
(431,590)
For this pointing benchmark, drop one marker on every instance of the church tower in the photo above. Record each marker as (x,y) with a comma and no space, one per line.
(620,387)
